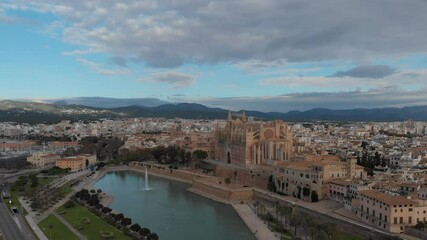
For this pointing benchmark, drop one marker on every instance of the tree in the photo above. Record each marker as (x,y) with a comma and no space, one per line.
(106,210)
(364,144)
(126,222)
(200,154)
(153,236)
(119,217)
(421,225)
(70,204)
(144,232)
(34,180)
(135,227)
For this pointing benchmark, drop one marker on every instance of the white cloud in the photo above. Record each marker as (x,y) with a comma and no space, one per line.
(373,98)
(175,79)
(96,67)
(405,79)
(170,33)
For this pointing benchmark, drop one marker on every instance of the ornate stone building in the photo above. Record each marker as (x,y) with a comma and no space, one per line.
(247,143)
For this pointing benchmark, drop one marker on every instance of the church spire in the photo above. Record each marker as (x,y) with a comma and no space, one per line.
(229,118)
(244,117)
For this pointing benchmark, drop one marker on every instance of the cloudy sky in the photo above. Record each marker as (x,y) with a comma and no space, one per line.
(269,55)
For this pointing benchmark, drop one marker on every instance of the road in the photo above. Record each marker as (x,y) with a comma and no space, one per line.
(8,227)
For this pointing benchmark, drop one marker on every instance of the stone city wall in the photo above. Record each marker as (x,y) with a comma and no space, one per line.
(222,192)
(171,173)
(244,176)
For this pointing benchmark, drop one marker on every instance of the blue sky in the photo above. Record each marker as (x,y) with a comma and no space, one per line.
(269,56)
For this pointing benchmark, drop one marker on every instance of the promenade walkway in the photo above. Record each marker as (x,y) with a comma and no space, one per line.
(256,225)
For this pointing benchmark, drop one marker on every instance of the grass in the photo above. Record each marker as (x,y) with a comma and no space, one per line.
(55,229)
(77,214)
(66,188)
(340,235)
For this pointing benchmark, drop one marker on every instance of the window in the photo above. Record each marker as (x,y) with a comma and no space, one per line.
(410,220)
(401,220)
(395,220)
(410,209)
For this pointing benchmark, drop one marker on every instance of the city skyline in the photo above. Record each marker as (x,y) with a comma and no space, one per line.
(267,56)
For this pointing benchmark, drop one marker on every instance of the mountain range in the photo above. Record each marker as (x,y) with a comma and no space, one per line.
(96,108)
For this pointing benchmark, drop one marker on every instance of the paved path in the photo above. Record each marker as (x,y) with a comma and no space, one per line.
(35,228)
(77,233)
(256,225)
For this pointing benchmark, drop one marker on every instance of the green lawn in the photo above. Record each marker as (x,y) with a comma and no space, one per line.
(55,229)
(66,188)
(340,235)
(77,214)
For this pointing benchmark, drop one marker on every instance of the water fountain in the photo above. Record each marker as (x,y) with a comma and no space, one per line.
(146,188)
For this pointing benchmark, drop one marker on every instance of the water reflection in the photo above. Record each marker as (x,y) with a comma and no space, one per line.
(170,210)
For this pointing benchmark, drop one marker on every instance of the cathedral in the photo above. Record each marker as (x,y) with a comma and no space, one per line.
(247,143)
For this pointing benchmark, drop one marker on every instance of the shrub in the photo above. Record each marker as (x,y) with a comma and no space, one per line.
(70,204)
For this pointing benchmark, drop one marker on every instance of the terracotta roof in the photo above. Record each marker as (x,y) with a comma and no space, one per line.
(340,182)
(409,184)
(387,198)
(71,159)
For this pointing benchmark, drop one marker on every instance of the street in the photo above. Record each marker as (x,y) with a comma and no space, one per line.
(8,227)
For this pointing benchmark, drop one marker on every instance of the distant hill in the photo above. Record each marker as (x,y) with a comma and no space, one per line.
(102,102)
(31,112)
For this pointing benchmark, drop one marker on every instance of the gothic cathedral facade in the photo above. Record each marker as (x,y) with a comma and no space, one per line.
(248,143)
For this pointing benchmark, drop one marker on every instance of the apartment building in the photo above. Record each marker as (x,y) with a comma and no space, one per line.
(42,160)
(388,212)
(73,163)
(302,179)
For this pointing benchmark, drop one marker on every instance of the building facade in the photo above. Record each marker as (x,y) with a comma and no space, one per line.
(388,212)
(73,163)
(303,179)
(42,160)
(246,143)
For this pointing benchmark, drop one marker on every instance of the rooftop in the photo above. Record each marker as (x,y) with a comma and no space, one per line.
(387,198)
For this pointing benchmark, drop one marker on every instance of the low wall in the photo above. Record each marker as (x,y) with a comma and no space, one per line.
(172,173)
(416,233)
(222,192)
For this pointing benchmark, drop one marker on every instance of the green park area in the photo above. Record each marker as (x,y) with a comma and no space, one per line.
(38,191)
(340,235)
(89,224)
(55,229)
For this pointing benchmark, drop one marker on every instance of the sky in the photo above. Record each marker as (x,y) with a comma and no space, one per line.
(270,55)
